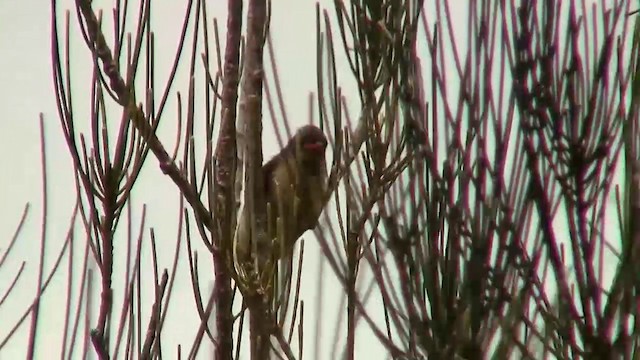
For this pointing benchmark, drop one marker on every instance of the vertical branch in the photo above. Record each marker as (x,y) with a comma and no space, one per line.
(33,330)
(226,148)
(251,113)
(352,268)
(225,172)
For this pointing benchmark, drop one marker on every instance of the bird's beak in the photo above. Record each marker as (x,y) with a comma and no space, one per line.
(316,146)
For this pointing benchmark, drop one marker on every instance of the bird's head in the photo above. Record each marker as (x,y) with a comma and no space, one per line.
(310,144)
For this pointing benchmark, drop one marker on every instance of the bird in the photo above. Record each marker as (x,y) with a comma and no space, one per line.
(295,188)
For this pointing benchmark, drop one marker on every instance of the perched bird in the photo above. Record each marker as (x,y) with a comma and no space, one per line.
(295,185)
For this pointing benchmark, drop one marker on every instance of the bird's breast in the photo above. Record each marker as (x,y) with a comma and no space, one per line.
(311,195)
